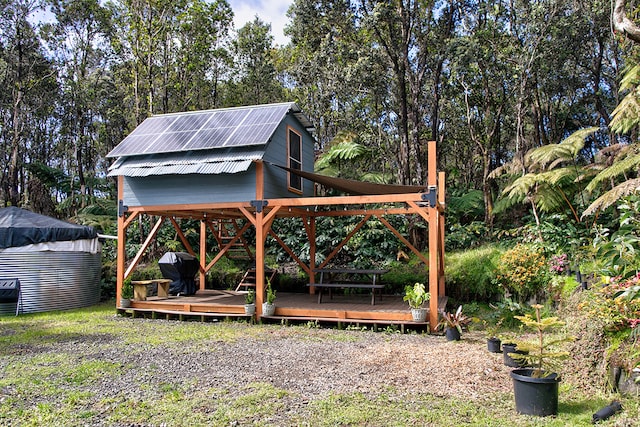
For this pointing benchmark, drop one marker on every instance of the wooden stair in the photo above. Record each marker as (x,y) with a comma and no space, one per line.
(226,232)
(249,278)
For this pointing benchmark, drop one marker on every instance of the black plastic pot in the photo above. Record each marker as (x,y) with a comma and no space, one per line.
(452,334)
(535,396)
(493,345)
(510,361)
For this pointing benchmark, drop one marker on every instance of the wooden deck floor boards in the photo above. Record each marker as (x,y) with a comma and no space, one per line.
(343,308)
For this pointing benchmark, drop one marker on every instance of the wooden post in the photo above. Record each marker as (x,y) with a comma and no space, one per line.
(203,253)
(312,251)
(441,203)
(260,238)
(120,253)
(433,238)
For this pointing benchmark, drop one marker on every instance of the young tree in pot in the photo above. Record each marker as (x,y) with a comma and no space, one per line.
(493,341)
(536,387)
(453,323)
(126,293)
(417,296)
(250,302)
(268,307)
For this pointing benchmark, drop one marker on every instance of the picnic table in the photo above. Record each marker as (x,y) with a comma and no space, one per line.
(342,278)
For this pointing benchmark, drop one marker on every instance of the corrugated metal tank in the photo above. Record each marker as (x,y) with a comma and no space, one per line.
(52,280)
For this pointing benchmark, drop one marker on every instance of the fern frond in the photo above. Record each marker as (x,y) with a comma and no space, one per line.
(612,196)
(616,169)
(566,150)
(521,187)
(626,115)
(514,167)
(630,79)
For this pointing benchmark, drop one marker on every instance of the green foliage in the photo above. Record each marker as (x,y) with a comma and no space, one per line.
(250,297)
(416,295)
(465,207)
(617,253)
(457,320)
(470,274)
(542,354)
(271,293)
(465,236)
(127,289)
(614,302)
(505,312)
(523,272)
(402,272)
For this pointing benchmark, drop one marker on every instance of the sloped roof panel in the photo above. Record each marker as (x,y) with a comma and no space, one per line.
(204,130)
(192,162)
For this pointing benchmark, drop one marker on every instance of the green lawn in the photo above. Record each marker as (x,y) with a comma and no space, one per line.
(43,382)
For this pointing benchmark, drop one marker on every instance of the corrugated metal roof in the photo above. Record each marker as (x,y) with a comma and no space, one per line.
(204,130)
(183,169)
(192,162)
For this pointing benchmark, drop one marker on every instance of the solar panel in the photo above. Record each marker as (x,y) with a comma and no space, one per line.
(229,127)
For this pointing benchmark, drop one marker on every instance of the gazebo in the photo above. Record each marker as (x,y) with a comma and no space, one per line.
(236,168)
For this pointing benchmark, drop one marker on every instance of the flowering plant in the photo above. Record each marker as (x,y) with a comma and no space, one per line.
(559,264)
(523,271)
(617,303)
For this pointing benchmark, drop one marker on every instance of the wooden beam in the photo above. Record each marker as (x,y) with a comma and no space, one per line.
(288,250)
(345,240)
(144,246)
(404,240)
(203,254)
(183,238)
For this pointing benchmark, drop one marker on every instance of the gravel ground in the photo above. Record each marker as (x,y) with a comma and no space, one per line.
(308,363)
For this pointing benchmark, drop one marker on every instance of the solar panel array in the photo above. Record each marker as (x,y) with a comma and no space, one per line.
(232,127)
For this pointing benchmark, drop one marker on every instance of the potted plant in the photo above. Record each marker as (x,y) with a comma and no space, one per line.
(126,293)
(493,341)
(250,302)
(453,323)
(417,296)
(536,387)
(268,307)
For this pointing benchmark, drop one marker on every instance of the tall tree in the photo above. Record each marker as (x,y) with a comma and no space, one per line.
(80,43)
(255,78)
(26,103)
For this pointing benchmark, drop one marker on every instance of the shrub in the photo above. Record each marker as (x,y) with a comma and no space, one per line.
(523,272)
(470,274)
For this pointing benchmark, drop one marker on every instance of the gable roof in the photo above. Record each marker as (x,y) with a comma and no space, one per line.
(209,129)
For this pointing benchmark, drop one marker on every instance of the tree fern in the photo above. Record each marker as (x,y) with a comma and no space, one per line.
(626,115)
(617,169)
(612,196)
(551,155)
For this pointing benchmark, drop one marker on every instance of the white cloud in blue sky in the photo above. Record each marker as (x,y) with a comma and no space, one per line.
(273,12)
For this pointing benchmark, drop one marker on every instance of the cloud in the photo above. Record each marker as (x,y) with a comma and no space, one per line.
(273,12)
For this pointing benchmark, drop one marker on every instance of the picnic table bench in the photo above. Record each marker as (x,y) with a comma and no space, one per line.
(343,278)
(140,288)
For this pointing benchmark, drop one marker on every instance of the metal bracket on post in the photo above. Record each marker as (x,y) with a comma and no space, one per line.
(430,196)
(122,208)
(259,204)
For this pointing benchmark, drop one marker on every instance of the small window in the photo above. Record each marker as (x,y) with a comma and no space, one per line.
(295,160)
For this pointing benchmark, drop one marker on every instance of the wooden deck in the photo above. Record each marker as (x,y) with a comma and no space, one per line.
(351,309)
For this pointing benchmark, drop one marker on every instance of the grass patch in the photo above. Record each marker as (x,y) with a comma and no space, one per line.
(44,381)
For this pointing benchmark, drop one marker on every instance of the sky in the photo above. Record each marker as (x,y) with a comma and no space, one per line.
(269,11)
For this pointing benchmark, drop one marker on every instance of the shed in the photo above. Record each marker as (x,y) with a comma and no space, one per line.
(57,263)
(239,168)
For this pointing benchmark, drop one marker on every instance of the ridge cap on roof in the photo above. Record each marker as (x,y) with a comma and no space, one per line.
(240,107)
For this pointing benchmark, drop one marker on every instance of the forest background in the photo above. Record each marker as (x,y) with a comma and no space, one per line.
(533,104)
